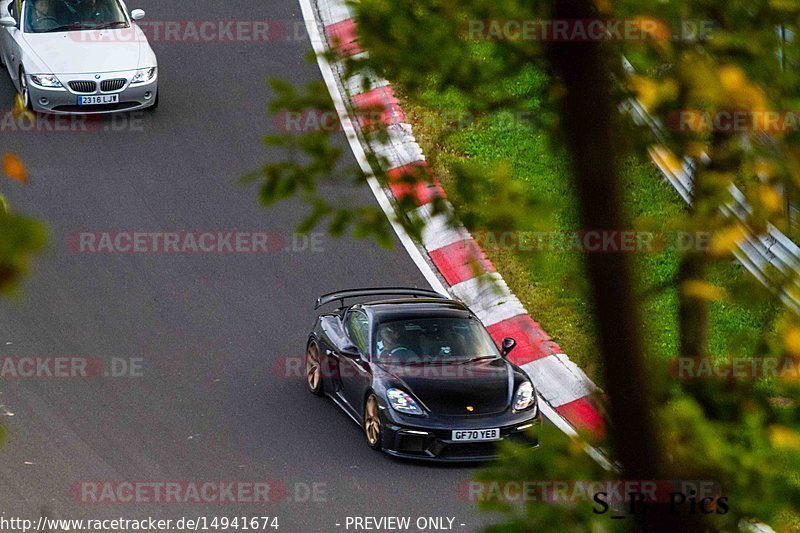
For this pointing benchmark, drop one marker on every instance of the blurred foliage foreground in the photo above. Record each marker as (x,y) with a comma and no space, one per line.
(743,434)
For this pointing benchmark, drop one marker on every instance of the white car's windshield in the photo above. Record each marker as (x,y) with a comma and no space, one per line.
(432,339)
(44,16)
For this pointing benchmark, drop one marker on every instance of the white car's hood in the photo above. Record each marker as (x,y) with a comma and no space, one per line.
(88,52)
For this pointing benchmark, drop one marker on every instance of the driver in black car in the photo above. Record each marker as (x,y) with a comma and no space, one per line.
(391,337)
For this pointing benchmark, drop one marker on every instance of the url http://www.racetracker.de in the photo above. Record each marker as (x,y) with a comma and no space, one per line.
(199,523)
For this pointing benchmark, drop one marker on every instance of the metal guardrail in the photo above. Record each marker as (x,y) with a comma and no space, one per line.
(770,256)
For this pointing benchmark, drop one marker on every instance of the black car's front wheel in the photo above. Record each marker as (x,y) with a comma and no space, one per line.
(372,422)
(314,369)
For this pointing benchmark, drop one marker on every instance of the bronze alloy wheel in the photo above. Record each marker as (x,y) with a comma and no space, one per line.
(314,369)
(372,423)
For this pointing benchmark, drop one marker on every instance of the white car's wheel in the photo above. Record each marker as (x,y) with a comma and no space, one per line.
(23,90)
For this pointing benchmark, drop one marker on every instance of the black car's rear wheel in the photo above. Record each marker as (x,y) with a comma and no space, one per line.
(314,369)
(372,423)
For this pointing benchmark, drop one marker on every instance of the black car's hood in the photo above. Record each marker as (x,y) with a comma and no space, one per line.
(449,388)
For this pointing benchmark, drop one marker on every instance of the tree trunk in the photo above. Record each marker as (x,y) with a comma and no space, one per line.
(692,311)
(587,119)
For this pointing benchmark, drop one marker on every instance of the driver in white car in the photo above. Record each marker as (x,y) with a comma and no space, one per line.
(91,11)
(43,14)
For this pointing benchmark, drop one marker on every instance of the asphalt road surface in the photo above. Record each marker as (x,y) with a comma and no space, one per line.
(211,330)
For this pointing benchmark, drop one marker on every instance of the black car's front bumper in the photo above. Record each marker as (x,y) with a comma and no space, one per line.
(431,439)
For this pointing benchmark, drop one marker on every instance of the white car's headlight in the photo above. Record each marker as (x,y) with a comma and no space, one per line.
(402,402)
(143,75)
(46,80)
(524,398)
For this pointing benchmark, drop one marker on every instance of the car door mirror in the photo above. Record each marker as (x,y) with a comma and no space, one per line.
(508,345)
(7,22)
(137,14)
(351,351)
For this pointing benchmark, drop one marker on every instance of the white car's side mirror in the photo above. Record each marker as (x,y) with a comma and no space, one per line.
(7,22)
(137,14)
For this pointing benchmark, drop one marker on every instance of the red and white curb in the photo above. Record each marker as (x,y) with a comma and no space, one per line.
(449,258)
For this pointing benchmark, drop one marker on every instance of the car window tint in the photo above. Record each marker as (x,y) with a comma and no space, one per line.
(358,329)
(43,16)
(433,339)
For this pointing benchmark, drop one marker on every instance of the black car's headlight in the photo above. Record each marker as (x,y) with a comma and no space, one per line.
(402,402)
(524,398)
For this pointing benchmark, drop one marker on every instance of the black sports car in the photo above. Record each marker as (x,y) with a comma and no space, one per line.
(421,375)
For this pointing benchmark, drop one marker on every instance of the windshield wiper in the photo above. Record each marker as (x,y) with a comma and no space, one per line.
(448,360)
(65,27)
(109,25)
(478,358)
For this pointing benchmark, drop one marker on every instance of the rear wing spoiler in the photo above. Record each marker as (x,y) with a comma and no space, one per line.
(386,291)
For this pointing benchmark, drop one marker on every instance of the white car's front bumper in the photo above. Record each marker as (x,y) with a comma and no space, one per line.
(65,100)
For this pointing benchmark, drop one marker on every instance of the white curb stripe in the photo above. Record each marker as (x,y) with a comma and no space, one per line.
(399,147)
(320,48)
(438,232)
(558,421)
(333,11)
(558,380)
(355,84)
(489,297)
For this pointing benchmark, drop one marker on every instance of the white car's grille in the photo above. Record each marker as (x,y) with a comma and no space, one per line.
(112,85)
(83,86)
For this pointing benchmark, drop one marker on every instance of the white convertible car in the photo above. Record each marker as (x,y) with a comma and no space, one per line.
(78,56)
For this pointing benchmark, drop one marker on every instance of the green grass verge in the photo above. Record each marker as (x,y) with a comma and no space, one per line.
(552,285)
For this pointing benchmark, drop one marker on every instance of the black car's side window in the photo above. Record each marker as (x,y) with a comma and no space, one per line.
(357,326)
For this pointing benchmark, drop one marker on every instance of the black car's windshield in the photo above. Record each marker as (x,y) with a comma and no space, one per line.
(427,340)
(46,16)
